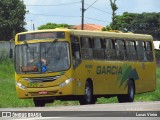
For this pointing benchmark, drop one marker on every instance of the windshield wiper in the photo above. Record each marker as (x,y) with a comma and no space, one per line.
(54,41)
(25,42)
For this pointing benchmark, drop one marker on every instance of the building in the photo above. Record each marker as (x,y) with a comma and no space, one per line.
(88,27)
(156,45)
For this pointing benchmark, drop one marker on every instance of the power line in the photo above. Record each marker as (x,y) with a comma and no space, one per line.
(96,19)
(68,17)
(52,15)
(83,10)
(98,9)
(91,5)
(57,4)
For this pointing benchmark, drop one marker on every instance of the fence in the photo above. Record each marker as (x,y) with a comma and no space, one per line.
(6,49)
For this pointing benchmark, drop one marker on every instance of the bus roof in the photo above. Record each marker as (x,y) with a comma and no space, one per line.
(112,35)
(98,34)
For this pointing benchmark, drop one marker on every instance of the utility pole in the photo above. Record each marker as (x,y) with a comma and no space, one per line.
(82,27)
(31,25)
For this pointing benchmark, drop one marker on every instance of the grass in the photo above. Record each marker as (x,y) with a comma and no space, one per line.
(8,97)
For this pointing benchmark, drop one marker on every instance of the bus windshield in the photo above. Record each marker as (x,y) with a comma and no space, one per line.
(42,57)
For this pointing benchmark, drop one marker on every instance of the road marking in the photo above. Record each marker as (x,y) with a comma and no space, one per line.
(151,109)
(117,105)
(71,108)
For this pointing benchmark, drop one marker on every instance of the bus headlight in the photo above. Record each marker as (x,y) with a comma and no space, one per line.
(20,86)
(66,82)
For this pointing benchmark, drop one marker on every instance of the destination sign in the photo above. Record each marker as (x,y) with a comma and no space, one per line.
(41,35)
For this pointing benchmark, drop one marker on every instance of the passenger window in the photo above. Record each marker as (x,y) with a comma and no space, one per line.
(131,50)
(110,52)
(86,48)
(141,51)
(149,51)
(97,42)
(85,43)
(98,51)
(120,49)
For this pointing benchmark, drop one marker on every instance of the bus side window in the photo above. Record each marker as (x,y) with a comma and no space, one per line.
(121,50)
(110,52)
(141,50)
(98,51)
(86,48)
(75,51)
(131,50)
(149,51)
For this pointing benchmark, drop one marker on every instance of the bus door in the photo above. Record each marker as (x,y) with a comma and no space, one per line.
(76,58)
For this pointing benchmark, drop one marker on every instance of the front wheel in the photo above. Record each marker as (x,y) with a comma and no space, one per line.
(88,97)
(129,97)
(39,102)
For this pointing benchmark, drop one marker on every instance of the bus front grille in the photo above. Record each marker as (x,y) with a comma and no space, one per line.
(42,79)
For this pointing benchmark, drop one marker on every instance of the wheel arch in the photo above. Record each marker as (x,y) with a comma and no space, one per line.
(90,80)
(131,79)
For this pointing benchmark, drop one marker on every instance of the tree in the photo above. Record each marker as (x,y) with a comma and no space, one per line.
(53,26)
(145,23)
(12,15)
(107,28)
(157,54)
(114,8)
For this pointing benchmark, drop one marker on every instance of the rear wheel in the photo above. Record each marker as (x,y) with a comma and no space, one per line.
(88,97)
(39,102)
(129,97)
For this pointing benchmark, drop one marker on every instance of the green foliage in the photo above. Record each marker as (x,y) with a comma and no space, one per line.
(103,100)
(157,53)
(113,5)
(107,28)
(53,26)
(104,29)
(12,15)
(114,8)
(145,23)
(7,87)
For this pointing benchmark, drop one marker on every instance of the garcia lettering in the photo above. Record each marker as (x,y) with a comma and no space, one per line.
(114,70)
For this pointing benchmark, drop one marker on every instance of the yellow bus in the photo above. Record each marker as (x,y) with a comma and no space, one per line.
(64,64)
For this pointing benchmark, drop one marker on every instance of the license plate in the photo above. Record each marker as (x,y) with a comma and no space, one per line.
(42,92)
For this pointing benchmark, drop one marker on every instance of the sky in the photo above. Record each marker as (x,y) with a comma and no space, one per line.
(41,12)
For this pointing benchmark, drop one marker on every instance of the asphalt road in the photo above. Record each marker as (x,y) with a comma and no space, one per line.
(147,110)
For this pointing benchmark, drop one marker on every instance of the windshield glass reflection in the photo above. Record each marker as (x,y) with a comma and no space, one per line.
(42,57)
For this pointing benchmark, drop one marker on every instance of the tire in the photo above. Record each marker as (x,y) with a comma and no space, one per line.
(129,97)
(88,97)
(39,102)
